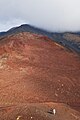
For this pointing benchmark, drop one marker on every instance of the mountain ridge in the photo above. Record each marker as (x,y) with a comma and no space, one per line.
(60,38)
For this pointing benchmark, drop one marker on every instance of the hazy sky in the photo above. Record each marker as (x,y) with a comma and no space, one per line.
(53,15)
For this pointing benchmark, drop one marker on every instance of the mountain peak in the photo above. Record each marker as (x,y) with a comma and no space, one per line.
(67,39)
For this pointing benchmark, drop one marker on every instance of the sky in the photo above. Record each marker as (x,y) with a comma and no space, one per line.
(51,15)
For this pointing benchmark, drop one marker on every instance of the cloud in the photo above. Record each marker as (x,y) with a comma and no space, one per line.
(52,15)
(6,25)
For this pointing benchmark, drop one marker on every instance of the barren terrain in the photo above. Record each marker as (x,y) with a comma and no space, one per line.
(38,74)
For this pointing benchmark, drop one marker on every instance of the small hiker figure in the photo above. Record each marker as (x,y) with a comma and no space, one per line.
(52,111)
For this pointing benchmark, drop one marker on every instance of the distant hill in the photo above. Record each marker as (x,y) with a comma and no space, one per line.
(25,28)
(2,33)
(68,39)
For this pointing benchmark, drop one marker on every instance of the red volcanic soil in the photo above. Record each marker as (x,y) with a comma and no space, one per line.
(35,70)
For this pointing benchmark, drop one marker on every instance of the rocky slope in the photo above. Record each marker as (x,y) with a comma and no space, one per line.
(35,70)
